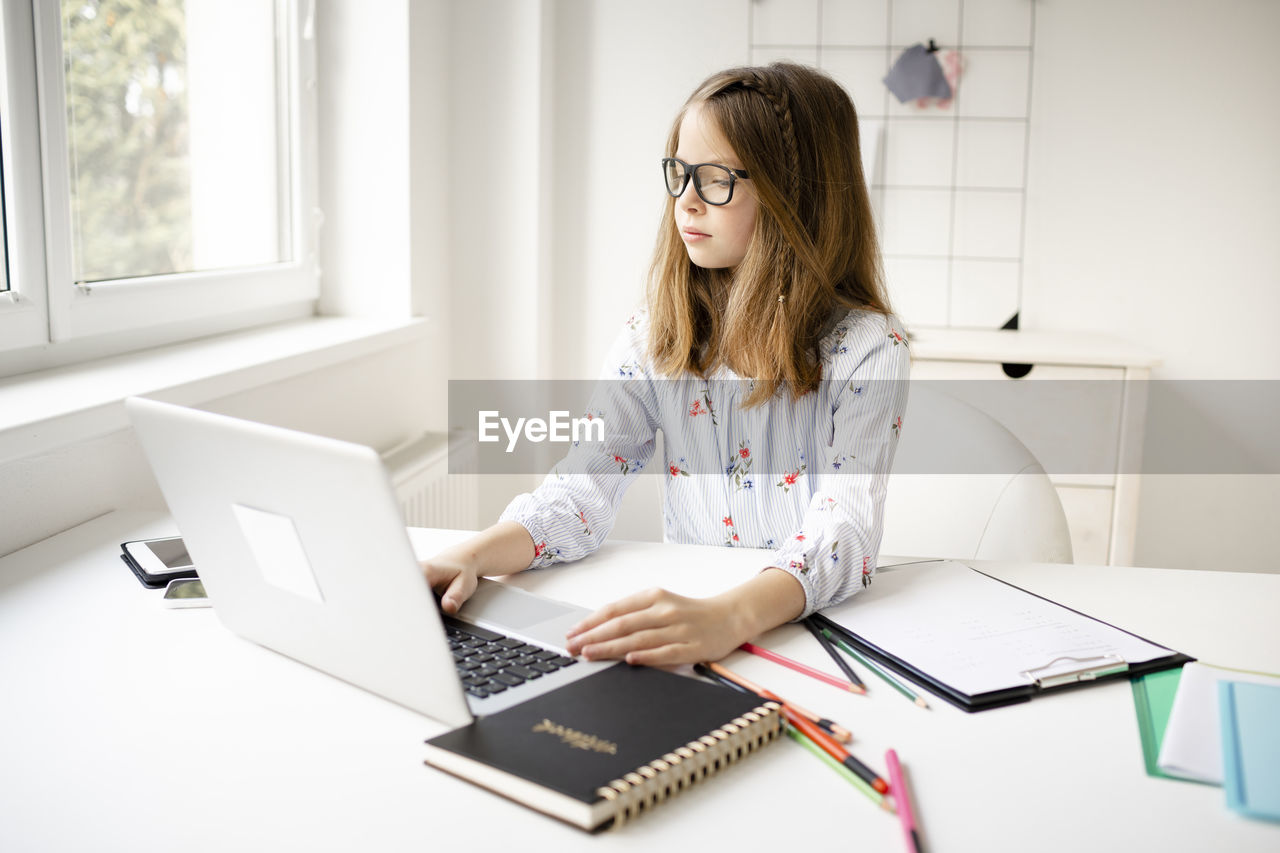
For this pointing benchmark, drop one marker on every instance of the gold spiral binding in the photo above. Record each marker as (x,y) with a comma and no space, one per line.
(647,786)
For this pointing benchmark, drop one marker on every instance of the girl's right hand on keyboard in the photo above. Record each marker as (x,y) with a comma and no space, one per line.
(503,549)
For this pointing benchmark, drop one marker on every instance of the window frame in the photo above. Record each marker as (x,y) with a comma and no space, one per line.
(125,313)
(24,314)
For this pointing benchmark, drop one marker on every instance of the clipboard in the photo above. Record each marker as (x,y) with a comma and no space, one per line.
(1009,631)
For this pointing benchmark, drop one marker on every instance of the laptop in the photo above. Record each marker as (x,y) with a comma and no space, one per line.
(302,548)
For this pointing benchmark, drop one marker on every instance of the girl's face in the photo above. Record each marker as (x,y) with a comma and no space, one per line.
(716,236)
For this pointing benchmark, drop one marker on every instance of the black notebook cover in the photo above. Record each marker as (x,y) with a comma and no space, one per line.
(581,737)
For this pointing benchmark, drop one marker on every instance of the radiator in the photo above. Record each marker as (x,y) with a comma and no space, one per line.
(429,495)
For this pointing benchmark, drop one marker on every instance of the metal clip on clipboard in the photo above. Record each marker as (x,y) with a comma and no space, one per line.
(1067,670)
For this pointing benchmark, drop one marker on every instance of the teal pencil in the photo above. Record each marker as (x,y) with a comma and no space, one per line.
(874,667)
(872,794)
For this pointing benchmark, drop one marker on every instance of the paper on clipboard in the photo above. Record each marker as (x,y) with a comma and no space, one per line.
(978,634)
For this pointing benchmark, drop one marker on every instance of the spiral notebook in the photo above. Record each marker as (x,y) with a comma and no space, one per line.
(598,752)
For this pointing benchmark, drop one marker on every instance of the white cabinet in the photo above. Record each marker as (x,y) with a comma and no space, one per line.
(1086,426)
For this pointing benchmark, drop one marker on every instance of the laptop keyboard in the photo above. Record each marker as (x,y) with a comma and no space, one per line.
(489,662)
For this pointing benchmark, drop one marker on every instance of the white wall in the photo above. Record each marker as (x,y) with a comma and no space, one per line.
(622,71)
(495,181)
(363,76)
(428,42)
(385,112)
(1153,210)
(1155,181)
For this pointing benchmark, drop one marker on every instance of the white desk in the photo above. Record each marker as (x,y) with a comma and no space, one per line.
(127,726)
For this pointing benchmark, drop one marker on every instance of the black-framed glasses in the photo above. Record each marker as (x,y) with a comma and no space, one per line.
(712,181)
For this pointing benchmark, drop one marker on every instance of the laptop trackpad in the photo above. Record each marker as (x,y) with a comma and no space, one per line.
(499,604)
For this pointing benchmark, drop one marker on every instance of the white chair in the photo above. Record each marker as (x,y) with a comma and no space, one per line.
(942,502)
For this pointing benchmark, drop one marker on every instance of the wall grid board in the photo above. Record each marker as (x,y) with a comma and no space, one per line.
(949,183)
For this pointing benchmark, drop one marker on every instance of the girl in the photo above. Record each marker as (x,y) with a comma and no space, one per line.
(766,267)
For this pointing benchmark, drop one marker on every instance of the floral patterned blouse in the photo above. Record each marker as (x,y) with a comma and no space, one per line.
(802,476)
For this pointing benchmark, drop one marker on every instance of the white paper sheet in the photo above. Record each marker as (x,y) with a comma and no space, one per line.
(977,634)
(1192,747)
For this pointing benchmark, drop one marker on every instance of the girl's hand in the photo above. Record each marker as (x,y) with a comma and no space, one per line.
(454,573)
(657,628)
(660,628)
(452,576)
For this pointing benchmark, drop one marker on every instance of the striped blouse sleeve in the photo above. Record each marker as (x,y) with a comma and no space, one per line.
(572,511)
(833,554)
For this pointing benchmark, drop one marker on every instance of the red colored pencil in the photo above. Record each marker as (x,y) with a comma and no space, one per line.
(802,668)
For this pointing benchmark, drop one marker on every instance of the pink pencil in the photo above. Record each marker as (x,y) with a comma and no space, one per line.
(799,667)
(907,817)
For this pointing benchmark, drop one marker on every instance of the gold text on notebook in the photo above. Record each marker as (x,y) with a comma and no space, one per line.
(577,739)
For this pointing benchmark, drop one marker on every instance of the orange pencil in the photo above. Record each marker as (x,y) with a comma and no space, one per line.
(838,731)
(810,730)
(802,668)
(834,749)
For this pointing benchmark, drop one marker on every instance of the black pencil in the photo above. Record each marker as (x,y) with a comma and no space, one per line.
(820,621)
(843,639)
(833,652)
(706,672)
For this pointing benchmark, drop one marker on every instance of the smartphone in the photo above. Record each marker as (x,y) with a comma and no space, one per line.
(186,592)
(156,562)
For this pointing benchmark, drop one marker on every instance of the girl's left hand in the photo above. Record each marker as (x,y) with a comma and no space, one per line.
(658,628)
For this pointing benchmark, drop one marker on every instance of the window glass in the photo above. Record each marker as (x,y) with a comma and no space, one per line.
(4,232)
(176,136)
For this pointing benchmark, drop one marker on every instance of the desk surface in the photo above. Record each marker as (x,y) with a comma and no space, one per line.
(128,726)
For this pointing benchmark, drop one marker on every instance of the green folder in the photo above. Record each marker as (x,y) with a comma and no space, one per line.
(1153,700)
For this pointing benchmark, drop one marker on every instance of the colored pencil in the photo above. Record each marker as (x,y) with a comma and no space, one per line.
(906,816)
(833,652)
(849,776)
(817,735)
(838,731)
(829,726)
(830,747)
(874,667)
(802,668)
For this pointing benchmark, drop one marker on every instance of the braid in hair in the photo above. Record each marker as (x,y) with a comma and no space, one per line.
(781,103)
(778,98)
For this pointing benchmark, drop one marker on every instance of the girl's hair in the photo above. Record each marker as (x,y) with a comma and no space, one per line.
(814,247)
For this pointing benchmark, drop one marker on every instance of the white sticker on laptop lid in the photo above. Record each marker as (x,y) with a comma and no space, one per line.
(282,561)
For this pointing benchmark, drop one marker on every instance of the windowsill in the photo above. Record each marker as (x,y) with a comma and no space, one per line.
(42,411)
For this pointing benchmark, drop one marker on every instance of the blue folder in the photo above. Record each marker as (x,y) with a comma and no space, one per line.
(1251,747)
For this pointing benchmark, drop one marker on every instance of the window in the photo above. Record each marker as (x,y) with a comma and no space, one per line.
(4,263)
(171,144)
